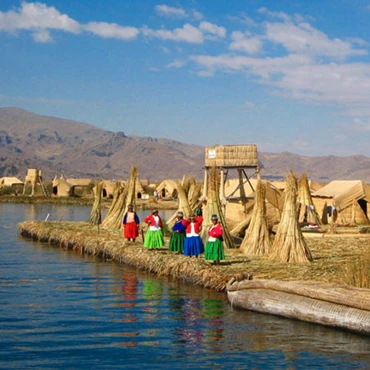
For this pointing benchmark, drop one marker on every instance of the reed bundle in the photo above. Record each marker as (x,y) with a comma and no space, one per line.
(231,156)
(289,244)
(95,215)
(113,219)
(257,238)
(214,206)
(131,193)
(188,193)
(307,211)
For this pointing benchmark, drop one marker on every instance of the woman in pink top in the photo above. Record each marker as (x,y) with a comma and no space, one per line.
(214,247)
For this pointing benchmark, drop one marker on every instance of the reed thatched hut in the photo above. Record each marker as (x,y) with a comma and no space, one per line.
(350,198)
(167,189)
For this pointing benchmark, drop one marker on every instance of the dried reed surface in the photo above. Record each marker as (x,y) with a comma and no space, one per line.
(213,206)
(231,156)
(131,193)
(307,209)
(122,197)
(289,244)
(333,257)
(95,215)
(116,208)
(184,206)
(257,238)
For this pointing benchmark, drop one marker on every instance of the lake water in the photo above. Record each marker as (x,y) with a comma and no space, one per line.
(61,310)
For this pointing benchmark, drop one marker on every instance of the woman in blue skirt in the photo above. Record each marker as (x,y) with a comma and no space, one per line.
(193,244)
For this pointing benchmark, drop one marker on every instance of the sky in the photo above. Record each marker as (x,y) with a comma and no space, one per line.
(288,75)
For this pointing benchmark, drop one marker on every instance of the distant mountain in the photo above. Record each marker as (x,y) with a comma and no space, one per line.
(77,149)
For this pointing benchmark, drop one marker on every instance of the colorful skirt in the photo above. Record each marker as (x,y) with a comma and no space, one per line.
(193,246)
(214,251)
(177,242)
(130,230)
(153,239)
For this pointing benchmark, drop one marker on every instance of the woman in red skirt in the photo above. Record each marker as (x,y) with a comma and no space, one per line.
(131,224)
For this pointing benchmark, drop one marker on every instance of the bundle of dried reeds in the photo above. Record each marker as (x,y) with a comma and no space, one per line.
(213,206)
(131,193)
(231,155)
(289,244)
(194,193)
(257,239)
(307,211)
(114,218)
(95,215)
(183,203)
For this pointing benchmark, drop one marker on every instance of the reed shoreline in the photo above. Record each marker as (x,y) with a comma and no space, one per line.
(333,255)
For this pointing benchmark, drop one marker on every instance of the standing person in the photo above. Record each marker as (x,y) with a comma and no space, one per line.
(131,224)
(198,211)
(193,244)
(214,247)
(154,234)
(178,234)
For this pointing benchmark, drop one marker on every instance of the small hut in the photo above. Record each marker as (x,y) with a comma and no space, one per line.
(167,189)
(61,187)
(350,198)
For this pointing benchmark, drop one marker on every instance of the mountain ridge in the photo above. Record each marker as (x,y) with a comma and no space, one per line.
(78,149)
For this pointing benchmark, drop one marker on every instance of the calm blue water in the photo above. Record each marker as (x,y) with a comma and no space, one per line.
(59,310)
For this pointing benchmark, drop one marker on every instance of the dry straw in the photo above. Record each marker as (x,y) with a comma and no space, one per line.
(307,211)
(289,244)
(213,206)
(95,215)
(231,156)
(257,239)
(121,195)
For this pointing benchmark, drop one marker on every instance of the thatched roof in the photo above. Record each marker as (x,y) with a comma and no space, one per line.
(169,185)
(79,182)
(344,192)
(314,185)
(63,186)
(231,156)
(9,181)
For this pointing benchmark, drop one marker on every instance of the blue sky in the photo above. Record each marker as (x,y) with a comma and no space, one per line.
(285,75)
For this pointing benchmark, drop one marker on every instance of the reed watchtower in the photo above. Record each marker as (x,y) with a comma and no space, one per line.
(242,158)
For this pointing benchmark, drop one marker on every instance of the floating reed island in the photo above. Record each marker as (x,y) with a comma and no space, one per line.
(318,277)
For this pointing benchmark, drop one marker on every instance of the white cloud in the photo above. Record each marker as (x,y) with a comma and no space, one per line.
(187,33)
(249,104)
(176,64)
(280,15)
(169,11)
(42,36)
(358,125)
(197,15)
(213,29)
(303,38)
(112,30)
(37,16)
(250,45)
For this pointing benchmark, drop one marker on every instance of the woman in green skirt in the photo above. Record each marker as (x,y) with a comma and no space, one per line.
(178,234)
(154,235)
(214,248)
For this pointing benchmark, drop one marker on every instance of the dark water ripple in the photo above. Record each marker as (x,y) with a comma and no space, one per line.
(60,310)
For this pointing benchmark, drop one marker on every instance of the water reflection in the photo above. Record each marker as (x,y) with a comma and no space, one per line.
(60,310)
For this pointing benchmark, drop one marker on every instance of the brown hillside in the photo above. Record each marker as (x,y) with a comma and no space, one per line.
(78,149)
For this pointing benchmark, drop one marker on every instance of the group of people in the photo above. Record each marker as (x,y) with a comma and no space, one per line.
(185,236)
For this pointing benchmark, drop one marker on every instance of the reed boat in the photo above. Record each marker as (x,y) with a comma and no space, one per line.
(323,303)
